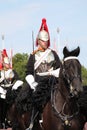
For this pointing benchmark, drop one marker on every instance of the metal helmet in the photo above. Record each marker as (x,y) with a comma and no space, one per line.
(43,33)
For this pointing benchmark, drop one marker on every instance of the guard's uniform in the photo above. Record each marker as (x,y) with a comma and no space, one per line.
(48,64)
(44,61)
(8,77)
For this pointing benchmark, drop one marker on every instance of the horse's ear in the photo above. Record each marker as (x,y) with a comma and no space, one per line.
(65,51)
(76,51)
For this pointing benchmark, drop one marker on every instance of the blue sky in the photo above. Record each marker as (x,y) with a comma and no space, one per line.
(18,18)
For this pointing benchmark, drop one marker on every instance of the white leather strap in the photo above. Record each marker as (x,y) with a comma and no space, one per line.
(37,63)
(71,57)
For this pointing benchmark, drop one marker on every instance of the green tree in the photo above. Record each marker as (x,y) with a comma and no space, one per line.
(84,75)
(19,64)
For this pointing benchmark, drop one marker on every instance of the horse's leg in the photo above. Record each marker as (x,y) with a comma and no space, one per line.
(15,125)
(2,113)
(24,120)
(18,123)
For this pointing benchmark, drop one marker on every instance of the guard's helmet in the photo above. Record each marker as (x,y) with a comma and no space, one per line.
(4,53)
(5,59)
(5,56)
(43,33)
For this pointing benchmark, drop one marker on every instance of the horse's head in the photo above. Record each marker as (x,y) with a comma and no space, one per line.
(72,71)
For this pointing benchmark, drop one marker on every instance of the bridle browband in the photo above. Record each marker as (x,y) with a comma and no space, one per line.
(70,57)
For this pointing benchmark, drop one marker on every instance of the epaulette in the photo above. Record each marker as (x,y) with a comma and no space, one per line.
(39,49)
(35,51)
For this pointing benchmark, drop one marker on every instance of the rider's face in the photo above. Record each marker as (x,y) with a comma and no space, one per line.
(6,66)
(43,44)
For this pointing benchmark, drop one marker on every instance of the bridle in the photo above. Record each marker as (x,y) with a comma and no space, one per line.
(69,79)
(66,119)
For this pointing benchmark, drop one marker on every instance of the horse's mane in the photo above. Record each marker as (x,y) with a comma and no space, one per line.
(42,94)
(11,95)
(23,101)
(82,100)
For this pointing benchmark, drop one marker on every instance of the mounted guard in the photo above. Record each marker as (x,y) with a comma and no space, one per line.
(8,80)
(43,61)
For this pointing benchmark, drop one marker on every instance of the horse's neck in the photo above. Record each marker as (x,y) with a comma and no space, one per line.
(62,96)
(64,103)
(63,89)
(71,106)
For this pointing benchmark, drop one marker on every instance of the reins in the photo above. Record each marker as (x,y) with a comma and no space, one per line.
(33,117)
(65,118)
(60,114)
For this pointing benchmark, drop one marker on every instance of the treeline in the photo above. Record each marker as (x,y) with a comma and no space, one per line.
(20,61)
(84,75)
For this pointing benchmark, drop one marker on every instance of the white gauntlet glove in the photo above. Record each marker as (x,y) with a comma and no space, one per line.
(17,84)
(31,81)
(55,72)
(50,72)
(2,91)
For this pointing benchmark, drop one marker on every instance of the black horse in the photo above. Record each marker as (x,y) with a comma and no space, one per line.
(5,85)
(62,112)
